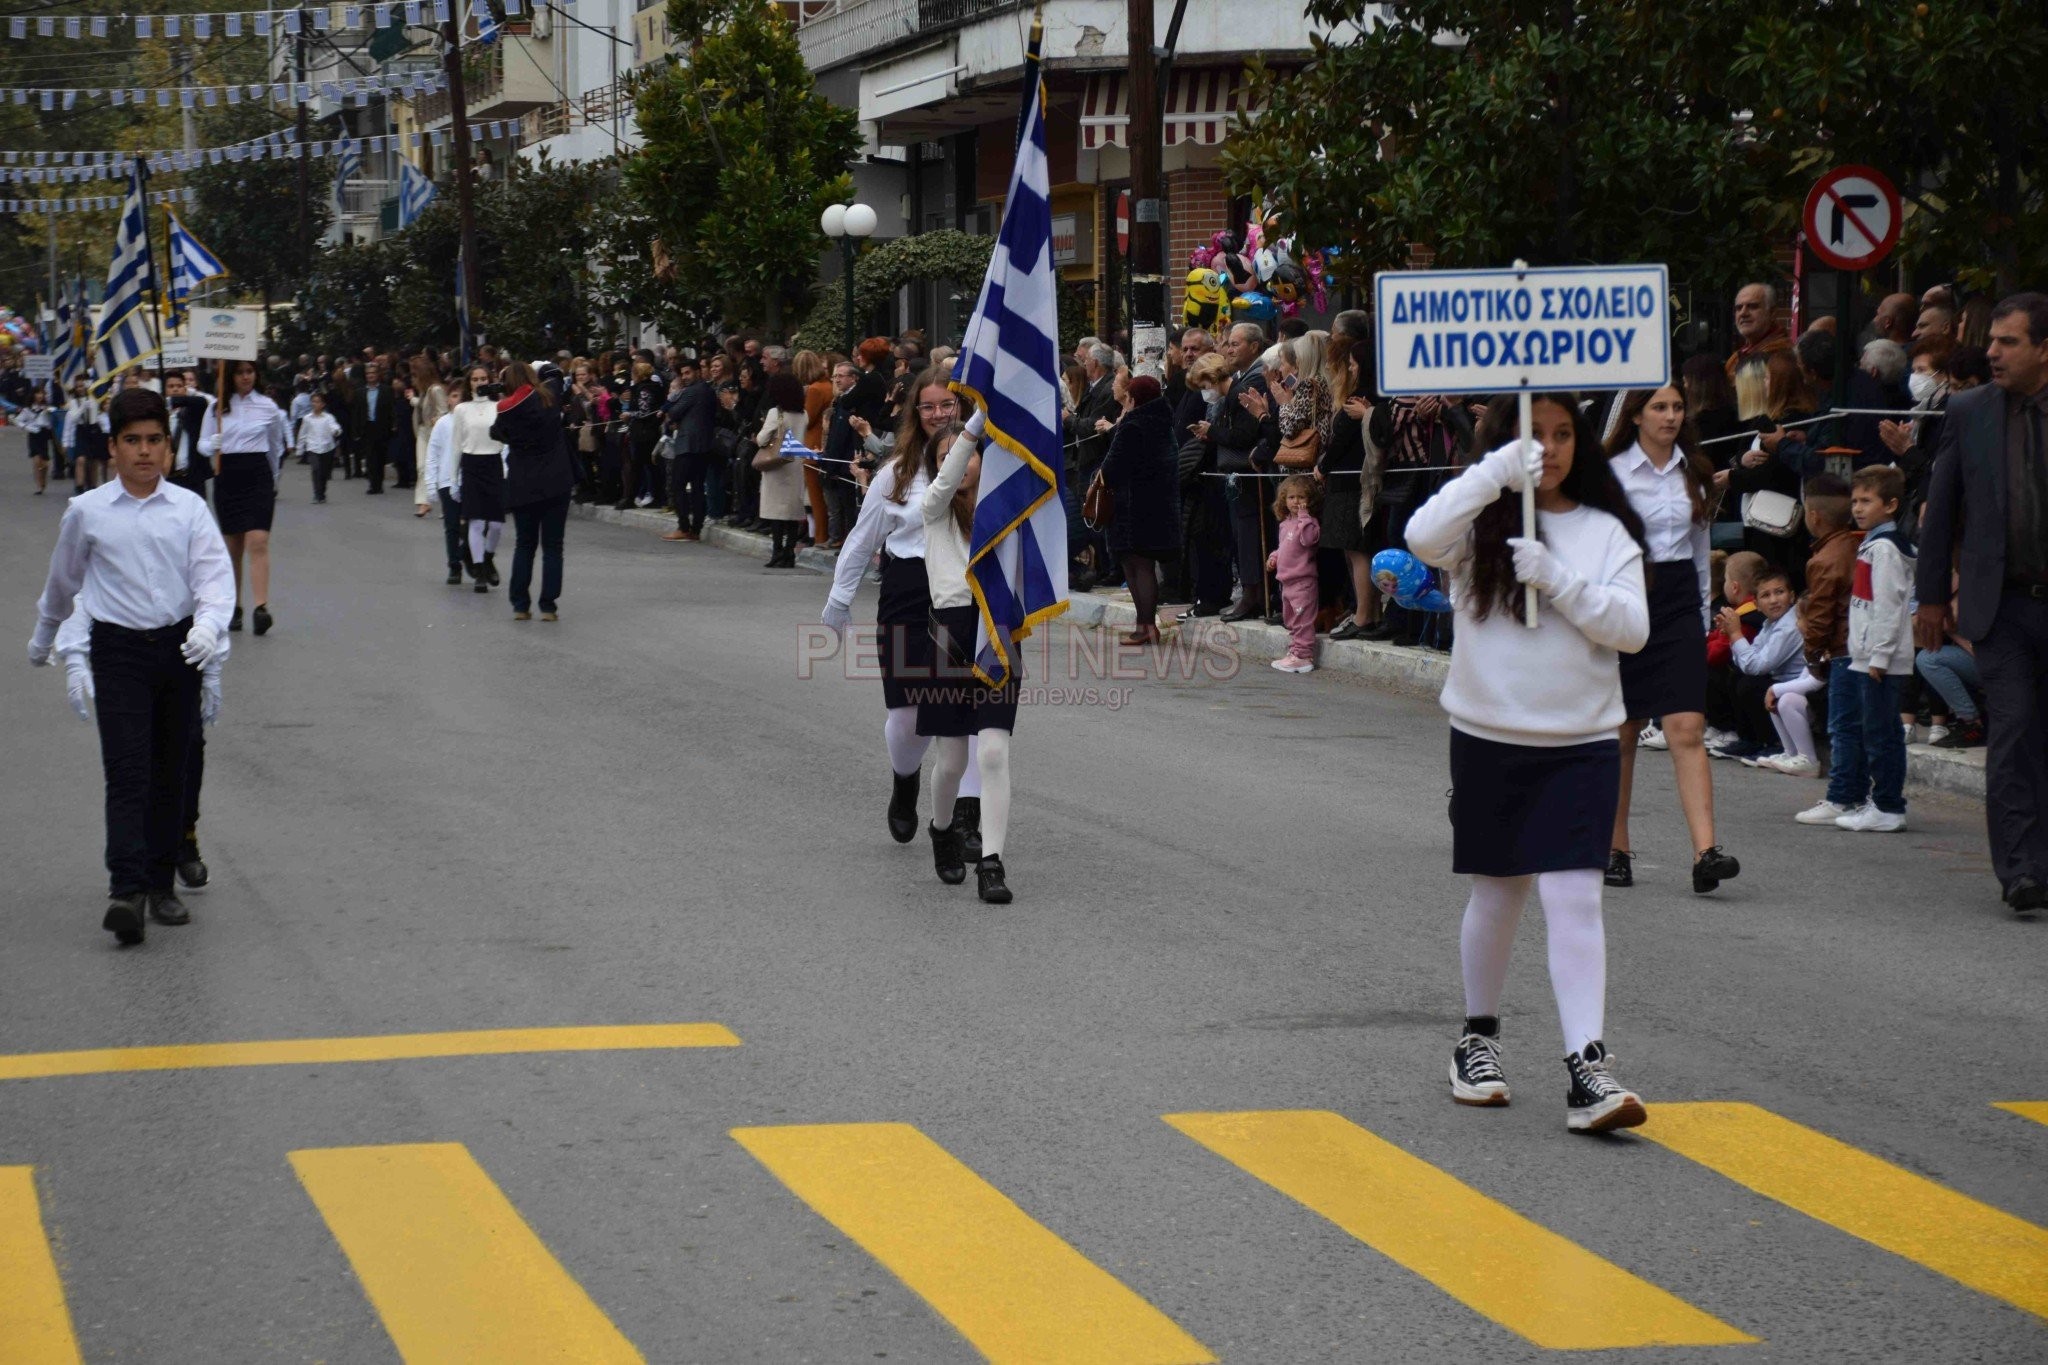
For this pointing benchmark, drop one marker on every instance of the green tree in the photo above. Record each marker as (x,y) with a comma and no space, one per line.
(247,211)
(960,258)
(740,156)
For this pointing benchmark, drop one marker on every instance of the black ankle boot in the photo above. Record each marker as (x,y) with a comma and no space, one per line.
(988,880)
(491,567)
(952,868)
(967,821)
(903,808)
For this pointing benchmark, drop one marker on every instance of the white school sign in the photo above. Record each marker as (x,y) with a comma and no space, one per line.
(1530,330)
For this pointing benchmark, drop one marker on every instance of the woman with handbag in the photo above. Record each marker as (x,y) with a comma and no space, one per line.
(1141,475)
(782,480)
(538,479)
(1769,393)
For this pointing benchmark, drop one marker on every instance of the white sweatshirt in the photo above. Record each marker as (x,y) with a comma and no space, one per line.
(1880,617)
(945,547)
(1560,683)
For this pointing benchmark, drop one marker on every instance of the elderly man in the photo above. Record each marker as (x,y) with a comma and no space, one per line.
(372,417)
(1756,325)
(774,359)
(1987,515)
(1246,432)
(1894,318)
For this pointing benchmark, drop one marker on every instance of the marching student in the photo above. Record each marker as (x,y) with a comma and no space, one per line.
(1535,765)
(971,721)
(892,520)
(85,438)
(441,478)
(244,435)
(1655,455)
(319,435)
(144,561)
(35,420)
(481,467)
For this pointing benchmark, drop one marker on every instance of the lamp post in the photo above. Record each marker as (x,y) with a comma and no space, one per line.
(847,224)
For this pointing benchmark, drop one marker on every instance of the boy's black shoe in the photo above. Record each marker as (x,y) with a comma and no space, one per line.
(166,908)
(2026,897)
(192,873)
(1713,868)
(455,577)
(262,619)
(988,881)
(491,568)
(1963,734)
(1621,867)
(1595,1102)
(967,820)
(1476,1077)
(235,621)
(952,869)
(903,807)
(125,919)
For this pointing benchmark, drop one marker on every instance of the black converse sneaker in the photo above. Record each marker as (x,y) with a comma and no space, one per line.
(1476,1077)
(1596,1102)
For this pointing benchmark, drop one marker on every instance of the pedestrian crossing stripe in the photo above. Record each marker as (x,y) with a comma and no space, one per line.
(1005,1281)
(35,1325)
(2037,1110)
(1873,1200)
(393,1047)
(1538,1285)
(450,1266)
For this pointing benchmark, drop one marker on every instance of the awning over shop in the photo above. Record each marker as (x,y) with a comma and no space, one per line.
(1199,107)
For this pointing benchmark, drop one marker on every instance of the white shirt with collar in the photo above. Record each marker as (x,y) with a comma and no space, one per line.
(897,527)
(142,563)
(252,424)
(1664,502)
(74,642)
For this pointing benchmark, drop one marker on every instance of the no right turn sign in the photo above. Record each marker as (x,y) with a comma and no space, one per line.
(1852,217)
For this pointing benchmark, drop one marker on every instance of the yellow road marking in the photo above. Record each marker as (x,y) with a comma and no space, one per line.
(1012,1288)
(448,1263)
(35,1326)
(1908,1215)
(1528,1279)
(393,1047)
(2037,1110)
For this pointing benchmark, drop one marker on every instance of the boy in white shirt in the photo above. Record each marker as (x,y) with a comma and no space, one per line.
(317,435)
(145,561)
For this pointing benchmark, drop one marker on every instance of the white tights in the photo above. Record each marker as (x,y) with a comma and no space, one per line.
(986,755)
(483,539)
(907,746)
(1578,947)
(1790,720)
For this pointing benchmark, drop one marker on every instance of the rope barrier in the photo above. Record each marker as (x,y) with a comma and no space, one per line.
(1894,413)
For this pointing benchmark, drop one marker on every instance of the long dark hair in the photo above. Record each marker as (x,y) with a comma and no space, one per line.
(1698,470)
(234,373)
(519,375)
(1590,483)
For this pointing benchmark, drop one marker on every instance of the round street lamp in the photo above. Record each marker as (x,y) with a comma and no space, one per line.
(847,224)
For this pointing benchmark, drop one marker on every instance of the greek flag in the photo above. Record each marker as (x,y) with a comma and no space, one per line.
(348,162)
(191,266)
(793,449)
(415,192)
(1009,364)
(486,22)
(123,337)
(67,346)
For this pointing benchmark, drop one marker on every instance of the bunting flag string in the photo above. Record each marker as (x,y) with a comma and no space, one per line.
(96,204)
(367,16)
(68,168)
(355,90)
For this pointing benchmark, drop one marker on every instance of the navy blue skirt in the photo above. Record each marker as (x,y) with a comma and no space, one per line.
(961,703)
(1518,808)
(903,620)
(1668,675)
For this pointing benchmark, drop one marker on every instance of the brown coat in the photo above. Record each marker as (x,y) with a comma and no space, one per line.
(1824,611)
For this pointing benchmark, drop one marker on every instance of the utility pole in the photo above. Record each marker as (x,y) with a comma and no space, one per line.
(465,203)
(1146,263)
(304,239)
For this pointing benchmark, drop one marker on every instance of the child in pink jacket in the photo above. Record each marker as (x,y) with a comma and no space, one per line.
(1297,507)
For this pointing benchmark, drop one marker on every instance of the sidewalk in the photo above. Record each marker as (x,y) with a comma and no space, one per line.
(1413,672)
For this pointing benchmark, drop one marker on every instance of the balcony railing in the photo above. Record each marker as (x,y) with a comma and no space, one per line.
(854,28)
(365,198)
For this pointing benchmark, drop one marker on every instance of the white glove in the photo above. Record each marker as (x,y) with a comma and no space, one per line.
(38,651)
(1540,569)
(81,690)
(838,615)
(977,423)
(1515,464)
(202,643)
(209,699)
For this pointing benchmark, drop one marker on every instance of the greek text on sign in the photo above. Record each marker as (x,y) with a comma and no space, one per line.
(37,368)
(1852,217)
(226,333)
(1502,331)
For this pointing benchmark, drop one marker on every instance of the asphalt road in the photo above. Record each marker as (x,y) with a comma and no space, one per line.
(1233,895)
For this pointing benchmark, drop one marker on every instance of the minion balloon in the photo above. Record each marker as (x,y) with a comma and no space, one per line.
(1402,577)
(1206,302)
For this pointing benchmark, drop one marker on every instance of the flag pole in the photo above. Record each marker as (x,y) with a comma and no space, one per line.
(161,377)
(156,293)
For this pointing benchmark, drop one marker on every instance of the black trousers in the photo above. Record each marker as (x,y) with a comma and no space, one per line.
(1251,518)
(452,533)
(323,470)
(195,774)
(374,455)
(691,470)
(2013,660)
(542,524)
(147,705)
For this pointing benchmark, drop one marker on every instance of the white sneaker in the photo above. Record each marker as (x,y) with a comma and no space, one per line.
(1715,735)
(1292,664)
(1935,734)
(1823,812)
(1651,738)
(644,500)
(1792,765)
(1868,819)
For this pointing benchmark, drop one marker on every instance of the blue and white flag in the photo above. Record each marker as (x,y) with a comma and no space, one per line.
(191,266)
(348,161)
(123,337)
(415,192)
(793,449)
(1009,364)
(486,22)
(67,345)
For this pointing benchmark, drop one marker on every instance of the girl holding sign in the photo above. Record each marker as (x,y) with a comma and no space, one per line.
(1655,456)
(1535,766)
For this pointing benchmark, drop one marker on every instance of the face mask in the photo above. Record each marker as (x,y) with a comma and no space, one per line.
(1922,386)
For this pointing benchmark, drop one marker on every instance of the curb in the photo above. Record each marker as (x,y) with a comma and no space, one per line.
(1409,672)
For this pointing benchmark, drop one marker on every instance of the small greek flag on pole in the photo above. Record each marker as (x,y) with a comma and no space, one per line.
(124,337)
(191,266)
(1009,364)
(415,192)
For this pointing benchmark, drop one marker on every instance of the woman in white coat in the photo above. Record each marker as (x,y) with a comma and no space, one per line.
(782,479)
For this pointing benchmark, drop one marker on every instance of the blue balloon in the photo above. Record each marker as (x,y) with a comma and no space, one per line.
(1254,305)
(1408,581)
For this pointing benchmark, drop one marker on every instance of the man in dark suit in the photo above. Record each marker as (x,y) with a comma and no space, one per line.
(692,414)
(1244,445)
(372,416)
(189,469)
(1987,515)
